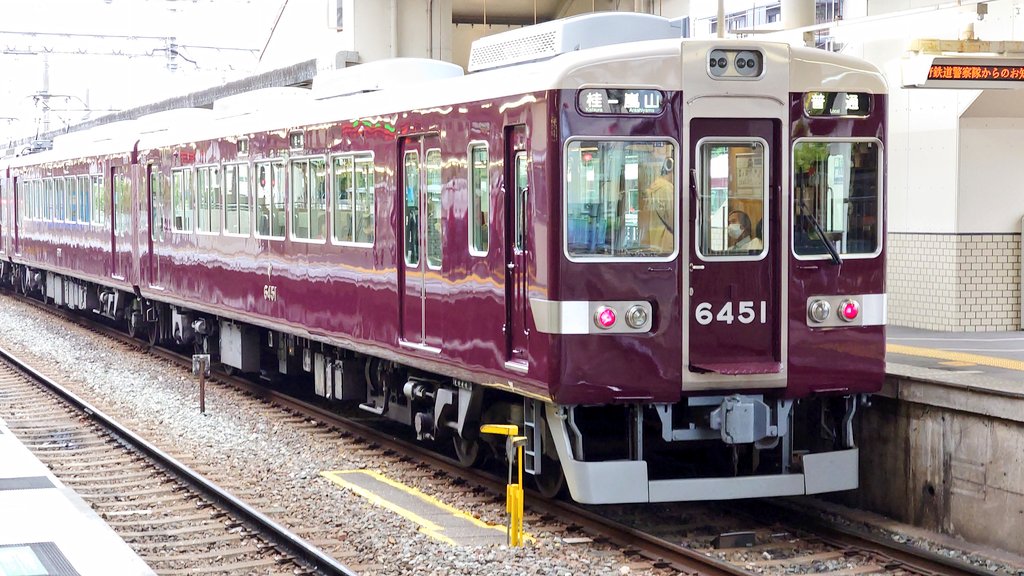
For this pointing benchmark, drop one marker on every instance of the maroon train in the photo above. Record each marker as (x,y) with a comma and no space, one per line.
(662,258)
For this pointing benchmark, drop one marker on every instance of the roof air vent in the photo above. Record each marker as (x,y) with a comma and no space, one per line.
(567,35)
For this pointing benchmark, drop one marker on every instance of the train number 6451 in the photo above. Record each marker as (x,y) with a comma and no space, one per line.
(745,312)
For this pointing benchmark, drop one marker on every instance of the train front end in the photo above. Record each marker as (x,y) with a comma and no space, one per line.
(717,311)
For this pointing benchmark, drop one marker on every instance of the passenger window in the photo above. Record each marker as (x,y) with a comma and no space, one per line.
(84,200)
(236,194)
(181,199)
(836,198)
(434,214)
(99,201)
(48,207)
(309,199)
(208,199)
(59,200)
(353,199)
(270,207)
(122,206)
(412,208)
(522,191)
(71,188)
(156,194)
(733,195)
(480,199)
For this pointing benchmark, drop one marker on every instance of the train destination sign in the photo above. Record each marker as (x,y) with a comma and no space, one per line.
(837,104)
(619,101)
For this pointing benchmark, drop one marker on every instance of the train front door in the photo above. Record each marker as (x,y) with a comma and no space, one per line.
(420,237)
(517,190)
(735,281)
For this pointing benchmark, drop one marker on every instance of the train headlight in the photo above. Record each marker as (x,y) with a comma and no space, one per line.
(819,310)
(849,310)
(637,317)
(604,317)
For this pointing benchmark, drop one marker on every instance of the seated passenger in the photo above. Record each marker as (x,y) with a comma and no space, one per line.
(740,237)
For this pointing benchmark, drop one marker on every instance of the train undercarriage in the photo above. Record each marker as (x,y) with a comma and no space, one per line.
(702,448)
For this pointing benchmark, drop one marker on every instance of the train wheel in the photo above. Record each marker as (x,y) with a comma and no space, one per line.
(551,480)
(153,329)
(466,451)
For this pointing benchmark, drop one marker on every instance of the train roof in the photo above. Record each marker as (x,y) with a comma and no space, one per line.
(584,57)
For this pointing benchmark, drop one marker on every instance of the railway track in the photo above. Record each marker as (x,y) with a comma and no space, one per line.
(175,519)
(784,543)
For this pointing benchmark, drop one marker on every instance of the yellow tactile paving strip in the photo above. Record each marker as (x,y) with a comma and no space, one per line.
(435,518)
(956,357)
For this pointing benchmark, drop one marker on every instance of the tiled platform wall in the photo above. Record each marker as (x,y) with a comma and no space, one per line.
(955,282)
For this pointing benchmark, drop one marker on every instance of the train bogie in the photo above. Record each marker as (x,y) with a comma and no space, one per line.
(663,259)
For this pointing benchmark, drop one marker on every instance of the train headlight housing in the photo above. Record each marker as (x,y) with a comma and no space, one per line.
(604,317)
(819,310)
(849,310)
(637,317)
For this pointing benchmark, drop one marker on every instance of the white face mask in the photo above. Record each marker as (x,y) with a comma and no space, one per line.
(735,231)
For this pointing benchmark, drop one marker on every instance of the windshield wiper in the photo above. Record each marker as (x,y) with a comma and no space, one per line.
(821,234)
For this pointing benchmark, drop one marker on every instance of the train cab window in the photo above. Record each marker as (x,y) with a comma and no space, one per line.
(308,187)
(620,199)
(100,200)
(434,213)
(412,208)
(236,199)
(208,200)
(353,218)
(731,213)
(181,199)
(480,199)
(837,198)
(270,203)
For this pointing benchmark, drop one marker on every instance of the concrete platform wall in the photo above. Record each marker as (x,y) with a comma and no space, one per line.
(945,457)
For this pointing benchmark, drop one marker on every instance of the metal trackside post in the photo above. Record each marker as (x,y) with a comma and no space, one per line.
(201,368)
(514,492)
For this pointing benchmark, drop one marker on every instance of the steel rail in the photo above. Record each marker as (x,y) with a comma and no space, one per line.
(277,534)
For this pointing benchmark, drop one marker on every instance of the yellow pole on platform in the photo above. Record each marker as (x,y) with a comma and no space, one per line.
(514,497)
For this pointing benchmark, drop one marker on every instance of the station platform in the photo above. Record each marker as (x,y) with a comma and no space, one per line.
(46,529)
(982,358)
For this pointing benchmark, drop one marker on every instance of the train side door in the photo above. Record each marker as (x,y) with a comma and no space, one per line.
(735,281)
(517,191)
(17,205)
(120,241)
(155,185)
(421,241)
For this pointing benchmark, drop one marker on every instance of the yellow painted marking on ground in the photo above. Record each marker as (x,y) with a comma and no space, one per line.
(956,356)
(957,364)
(426,526)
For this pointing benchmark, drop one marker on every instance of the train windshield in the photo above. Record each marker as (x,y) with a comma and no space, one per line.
(836,198)
(620,199)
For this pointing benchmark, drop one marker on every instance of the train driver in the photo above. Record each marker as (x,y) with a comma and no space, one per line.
(741,237)
(660,198)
